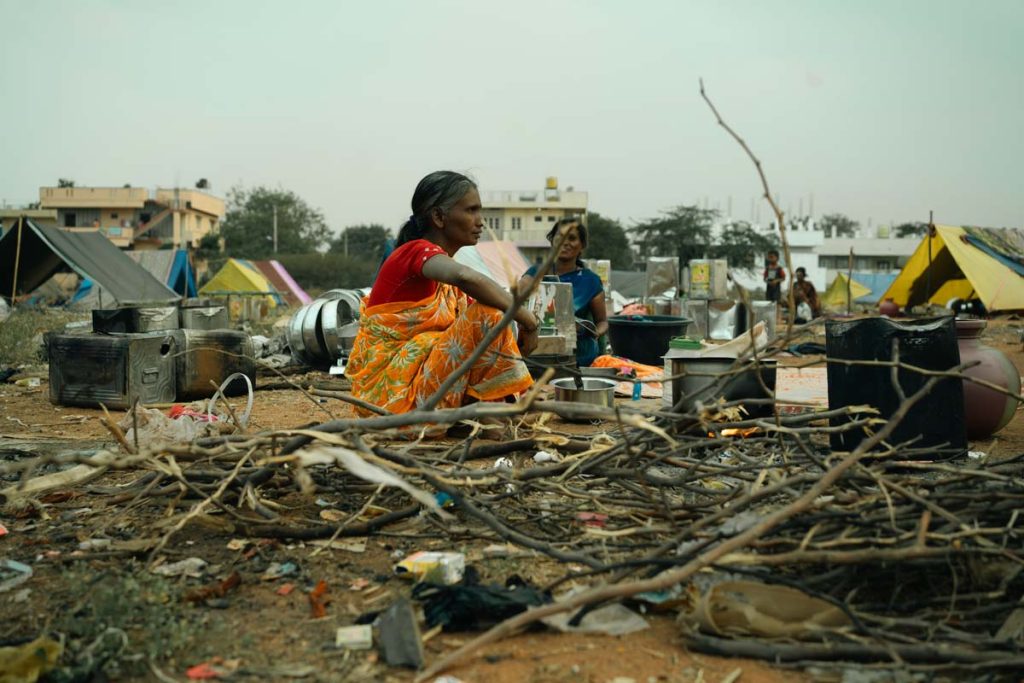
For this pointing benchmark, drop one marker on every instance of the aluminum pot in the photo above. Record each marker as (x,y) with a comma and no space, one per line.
(701,379)
(596,391)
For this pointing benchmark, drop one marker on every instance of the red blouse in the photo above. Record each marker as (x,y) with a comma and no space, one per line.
(401,276)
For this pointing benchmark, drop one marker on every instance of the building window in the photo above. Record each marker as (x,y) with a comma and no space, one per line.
(517,223)
(551,219)
(494,223)
(538,219)
(113,215)
(883,266)
(69,220)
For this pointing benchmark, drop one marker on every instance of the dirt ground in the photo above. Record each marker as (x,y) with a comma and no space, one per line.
(91,580)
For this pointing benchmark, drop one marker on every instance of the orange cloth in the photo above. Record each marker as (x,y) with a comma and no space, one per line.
(405,350)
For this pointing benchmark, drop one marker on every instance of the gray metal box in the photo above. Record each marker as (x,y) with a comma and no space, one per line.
(205,356)
(115,370)
(204,318)
(134,319)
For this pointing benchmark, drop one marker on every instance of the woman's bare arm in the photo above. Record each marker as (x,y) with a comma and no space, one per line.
(442,268)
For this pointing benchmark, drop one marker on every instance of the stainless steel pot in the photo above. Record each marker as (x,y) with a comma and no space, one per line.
(703,379)
(596,391)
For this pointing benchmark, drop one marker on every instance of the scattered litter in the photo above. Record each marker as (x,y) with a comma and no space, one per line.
(468,608)
(22,595)
(354,637)
(331,515)
(27,663)
(215,590)
(592,519)
(155,427)
(612,620)
(285,589)
(217,667)
(95,544)
(433,567)
(447,679)
(976,455)
(238,543)
(191,566)
(279,569)
(504,463)
(400,639)
(358,584)
(13,574)
(546,456)
(317,600)
(29,382)
(444,500)
(3,530)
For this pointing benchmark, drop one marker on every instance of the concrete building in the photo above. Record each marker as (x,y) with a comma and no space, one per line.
(132,216)
(870,254)
(526,216)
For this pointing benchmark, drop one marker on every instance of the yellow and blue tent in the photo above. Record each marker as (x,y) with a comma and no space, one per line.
(954,262)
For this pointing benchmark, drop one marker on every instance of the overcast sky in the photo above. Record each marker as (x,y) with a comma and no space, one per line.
(877,109)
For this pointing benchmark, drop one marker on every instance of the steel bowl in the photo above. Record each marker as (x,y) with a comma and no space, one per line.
(596,391)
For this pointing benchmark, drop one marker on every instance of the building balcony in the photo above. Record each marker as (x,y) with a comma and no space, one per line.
(92,197)
(530,199)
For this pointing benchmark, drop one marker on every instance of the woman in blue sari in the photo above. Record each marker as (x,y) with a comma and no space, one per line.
(587,290)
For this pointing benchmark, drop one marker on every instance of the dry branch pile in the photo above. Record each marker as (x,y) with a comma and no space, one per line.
(920,561)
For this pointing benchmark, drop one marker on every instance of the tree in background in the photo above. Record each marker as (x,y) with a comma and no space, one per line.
(365,241)
(318,272)
(913,229)
(838,225)
(203,184)
(606,239)
(684,231)
(65,182)
(248,227)
(742,245)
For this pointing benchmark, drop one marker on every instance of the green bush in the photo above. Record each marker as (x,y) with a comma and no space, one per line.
(329,271)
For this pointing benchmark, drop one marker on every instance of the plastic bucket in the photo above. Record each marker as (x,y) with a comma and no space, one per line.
(644,338)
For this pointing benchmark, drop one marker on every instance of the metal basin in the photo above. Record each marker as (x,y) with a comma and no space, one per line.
(596,391)
(701,379)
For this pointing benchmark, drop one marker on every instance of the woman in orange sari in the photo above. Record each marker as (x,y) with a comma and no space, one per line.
(419,324)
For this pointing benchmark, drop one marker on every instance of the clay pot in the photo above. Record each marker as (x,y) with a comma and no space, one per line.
(986,411)
(889,308)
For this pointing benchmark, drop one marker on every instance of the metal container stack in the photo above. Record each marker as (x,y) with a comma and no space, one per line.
(147,354)
(322,331)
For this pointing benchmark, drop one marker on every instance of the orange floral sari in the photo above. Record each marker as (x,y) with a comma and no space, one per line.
(405,350)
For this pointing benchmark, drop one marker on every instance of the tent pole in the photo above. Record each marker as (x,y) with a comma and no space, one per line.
(849,283)
(928,277)
(17,260)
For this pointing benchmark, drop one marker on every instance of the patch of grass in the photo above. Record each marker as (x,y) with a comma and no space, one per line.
(19,343)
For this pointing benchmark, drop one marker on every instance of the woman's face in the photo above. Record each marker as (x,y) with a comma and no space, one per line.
(463,224)
(572,246)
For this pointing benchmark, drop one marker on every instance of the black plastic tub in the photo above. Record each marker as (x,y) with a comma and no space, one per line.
(644,338)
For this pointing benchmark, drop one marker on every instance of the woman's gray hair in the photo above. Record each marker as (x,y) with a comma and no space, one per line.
(438,190)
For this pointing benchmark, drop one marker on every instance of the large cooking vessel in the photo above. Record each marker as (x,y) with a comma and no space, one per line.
(594,391)
(325,329)
(707,379)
